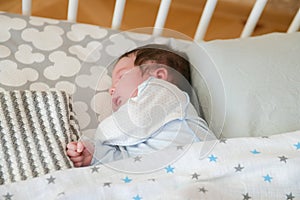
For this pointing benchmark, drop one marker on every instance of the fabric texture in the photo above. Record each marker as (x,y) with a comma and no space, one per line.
(35,127)
(235,169)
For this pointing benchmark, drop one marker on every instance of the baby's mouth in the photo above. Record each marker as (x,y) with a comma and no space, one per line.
(116,102)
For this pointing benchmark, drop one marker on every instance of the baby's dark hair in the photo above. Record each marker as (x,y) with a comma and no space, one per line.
(176,62)
(162,54)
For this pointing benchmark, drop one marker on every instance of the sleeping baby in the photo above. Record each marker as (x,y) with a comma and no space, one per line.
(152,109)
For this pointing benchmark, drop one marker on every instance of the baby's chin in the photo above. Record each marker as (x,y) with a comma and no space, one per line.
(116,106)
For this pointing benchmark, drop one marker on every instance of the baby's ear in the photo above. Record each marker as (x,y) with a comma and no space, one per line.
(160,73)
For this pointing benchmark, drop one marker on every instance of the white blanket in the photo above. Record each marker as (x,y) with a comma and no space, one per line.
(237,168)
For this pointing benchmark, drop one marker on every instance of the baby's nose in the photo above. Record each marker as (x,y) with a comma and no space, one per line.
(111,91)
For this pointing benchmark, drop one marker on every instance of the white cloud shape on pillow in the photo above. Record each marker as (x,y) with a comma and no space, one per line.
(101,105)
(81,110)
(4,51)
(7,24)
(63,66)
(62,85)
(66,86)
(10,75)
(80,31)
(89,54)
(39,86)
(25,55)
(120,45)
(40,21)
(48,39)
(2,90)
(96,80)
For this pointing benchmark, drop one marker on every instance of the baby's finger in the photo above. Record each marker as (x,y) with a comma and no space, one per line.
(76,159)
(80,147)
(77,164)
(72,153)
(72,146)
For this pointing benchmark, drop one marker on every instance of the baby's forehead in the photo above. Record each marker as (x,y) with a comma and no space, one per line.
(112,67)
(124,63)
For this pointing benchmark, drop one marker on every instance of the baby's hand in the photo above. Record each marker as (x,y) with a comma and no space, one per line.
(79,154)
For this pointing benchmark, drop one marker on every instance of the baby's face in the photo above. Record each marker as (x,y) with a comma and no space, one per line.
(125,80)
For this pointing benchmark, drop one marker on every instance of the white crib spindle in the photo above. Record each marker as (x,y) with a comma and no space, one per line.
(253,18)
(118,14)
(161,17)
(26,7)
(72,10)
(295,23)
(205,20)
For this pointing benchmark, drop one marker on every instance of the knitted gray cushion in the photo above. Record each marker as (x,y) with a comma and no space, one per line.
(35,127)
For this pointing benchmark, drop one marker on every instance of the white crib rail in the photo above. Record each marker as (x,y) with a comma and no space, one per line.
(205,20)
(26,7)
(72,9)
(253,18)
(295,23)
(118,14)
(163,13)
(161,17)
